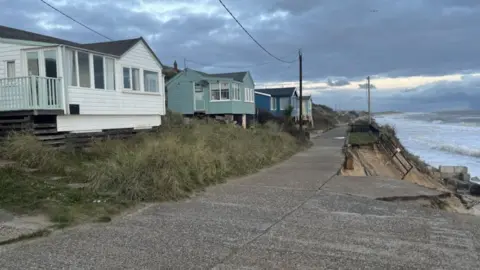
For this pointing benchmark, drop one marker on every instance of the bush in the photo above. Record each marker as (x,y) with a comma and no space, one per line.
(25,149)
(169,165)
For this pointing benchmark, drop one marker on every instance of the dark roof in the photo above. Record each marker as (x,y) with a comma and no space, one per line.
(284,91)
(12,33)
(236,76)
(117,48)
(306,97)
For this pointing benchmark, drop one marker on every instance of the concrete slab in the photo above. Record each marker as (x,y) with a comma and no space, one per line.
(377,187)
(12,227)
(341,236)
(275,219)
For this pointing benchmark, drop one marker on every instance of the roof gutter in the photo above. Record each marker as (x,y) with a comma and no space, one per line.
(90,51)
(264,94)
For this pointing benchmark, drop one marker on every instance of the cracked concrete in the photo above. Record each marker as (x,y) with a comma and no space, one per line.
(274,219)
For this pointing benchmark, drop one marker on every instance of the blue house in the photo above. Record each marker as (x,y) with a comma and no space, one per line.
(280,100)
(263,102)
(227,95)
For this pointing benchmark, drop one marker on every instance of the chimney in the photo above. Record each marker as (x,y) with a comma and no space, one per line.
(175,66)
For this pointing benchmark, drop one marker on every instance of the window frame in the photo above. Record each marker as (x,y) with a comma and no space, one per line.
(236,91)
(249,95)
(105,58)
(103,71)
(14,68)
(273,103)
(129,78)
(158,81)
(212,91)
(222,90)
(90,63)
(138,79)
(288,103)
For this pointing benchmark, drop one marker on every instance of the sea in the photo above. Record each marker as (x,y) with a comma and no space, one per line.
(440,138)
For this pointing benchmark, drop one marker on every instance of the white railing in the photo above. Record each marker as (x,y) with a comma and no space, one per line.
(31,93)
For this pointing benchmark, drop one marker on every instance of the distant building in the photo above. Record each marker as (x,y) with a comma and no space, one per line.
(227,95)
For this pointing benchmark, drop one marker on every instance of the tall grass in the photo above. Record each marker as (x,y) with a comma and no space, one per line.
(171,164)
(163,165)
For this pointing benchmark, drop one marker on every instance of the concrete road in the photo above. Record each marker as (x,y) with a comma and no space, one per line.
(291,216)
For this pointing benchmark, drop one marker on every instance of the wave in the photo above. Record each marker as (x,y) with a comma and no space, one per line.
(459,150)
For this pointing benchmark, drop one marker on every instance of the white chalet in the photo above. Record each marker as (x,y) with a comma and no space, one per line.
(80,87)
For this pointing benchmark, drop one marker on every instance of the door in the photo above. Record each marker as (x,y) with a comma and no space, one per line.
(199,97)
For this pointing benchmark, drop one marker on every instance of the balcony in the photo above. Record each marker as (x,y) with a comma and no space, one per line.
(31,93)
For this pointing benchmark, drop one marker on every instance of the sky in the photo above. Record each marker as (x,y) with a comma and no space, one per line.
(421,55)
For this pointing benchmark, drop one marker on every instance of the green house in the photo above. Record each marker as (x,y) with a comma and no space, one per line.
(228,95)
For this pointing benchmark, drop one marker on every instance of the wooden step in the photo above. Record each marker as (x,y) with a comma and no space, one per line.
(8,121)
(51,137)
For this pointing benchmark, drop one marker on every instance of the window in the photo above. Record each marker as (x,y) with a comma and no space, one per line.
(32,63)
(225,91)
(10,69)
(273,104)
(110,72)
(235,91)
(72,68)
(84,69)
(214,91)
(98,73)
(150,81)
(284,103)
(126,78)
(135,79)
(50,58)
(198,87)
(249,95)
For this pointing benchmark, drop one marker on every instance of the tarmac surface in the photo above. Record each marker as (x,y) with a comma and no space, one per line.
(295,215)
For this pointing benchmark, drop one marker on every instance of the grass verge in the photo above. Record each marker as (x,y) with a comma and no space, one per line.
(93,185)
(361,138)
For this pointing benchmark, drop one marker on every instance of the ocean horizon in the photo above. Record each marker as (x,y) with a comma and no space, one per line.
(440,138)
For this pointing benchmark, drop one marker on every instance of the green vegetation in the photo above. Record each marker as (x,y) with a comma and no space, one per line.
(421,166)
(168,164)
(361,138)
(325,117)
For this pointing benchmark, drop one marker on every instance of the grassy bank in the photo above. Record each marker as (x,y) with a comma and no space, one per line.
(93,185)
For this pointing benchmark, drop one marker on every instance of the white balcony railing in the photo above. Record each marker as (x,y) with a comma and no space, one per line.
(31,93)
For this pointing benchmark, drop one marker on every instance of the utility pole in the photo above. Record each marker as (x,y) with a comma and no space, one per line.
(301,94)
(369,111)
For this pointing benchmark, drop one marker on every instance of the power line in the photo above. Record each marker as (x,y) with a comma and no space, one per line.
(234,67)
(70,17)
(260,45)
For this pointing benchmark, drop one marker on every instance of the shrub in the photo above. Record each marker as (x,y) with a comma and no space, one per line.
(30,152)
(169,165)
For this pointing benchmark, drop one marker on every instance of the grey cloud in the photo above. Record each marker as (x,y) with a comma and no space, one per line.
(365,86)
(338,38)
(453,95)
(337,82)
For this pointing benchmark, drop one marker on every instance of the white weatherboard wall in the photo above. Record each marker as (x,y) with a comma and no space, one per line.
(123,102)
(87,123)
(11,52)
(103,109)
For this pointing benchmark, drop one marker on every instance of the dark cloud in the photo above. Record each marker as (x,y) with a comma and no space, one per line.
(365,86)
(338,38)
(337,82)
